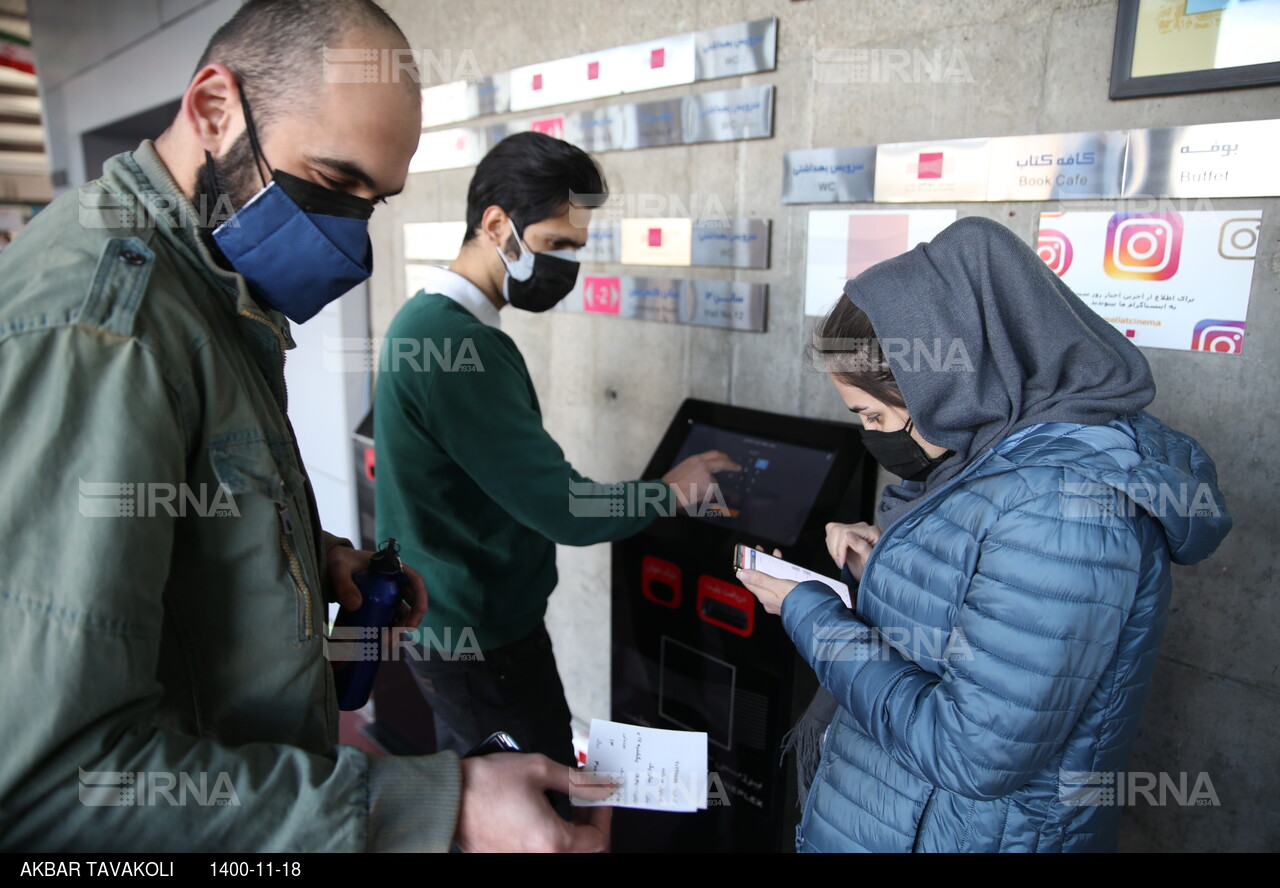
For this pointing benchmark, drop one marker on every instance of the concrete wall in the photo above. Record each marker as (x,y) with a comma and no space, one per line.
(609,386)
(102,62)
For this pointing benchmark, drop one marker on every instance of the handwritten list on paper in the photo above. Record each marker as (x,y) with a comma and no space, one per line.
(655,769)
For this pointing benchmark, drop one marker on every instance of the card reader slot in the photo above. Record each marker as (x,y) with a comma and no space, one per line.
(724,613)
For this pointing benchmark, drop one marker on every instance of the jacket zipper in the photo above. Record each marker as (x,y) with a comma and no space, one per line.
(282,508)
(295,566)
(924,814)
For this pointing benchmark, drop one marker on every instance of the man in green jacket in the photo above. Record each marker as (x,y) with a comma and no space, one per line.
(164,579)
(470,482)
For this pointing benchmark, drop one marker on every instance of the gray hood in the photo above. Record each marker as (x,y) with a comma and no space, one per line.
(1017,347)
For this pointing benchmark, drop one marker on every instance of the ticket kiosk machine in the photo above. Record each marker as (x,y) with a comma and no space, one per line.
(694,650)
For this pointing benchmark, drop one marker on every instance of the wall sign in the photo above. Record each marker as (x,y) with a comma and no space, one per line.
(733,305)
(722,116)
(1074,166)
(1206,160)
(829,175)
(727,51)
(932,172)
(672,242)
(1164,279)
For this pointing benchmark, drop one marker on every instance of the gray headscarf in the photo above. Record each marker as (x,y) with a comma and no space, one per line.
(1017,347)
(982,339)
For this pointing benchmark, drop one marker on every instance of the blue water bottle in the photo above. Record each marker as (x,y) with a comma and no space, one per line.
(380,590)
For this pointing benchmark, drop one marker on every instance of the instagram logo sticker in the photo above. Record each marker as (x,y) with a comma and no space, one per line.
(1055,249)
(1143,246)
(1223,337)
(1238,238)
(602,294)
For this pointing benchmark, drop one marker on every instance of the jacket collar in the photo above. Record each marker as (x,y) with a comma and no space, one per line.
(143,173)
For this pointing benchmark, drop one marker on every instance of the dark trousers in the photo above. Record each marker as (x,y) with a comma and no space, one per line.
(514,688)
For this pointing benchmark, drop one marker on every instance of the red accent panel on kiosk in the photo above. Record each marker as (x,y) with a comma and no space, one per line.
(655,574)
(726,605)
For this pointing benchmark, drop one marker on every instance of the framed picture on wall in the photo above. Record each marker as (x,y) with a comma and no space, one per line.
(1180,46)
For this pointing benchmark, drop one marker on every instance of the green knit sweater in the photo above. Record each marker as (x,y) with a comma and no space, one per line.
(471,484)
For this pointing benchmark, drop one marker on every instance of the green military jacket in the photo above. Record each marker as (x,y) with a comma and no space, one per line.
(161,584)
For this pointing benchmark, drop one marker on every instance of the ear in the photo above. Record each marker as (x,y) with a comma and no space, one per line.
(495,228)
(211,108)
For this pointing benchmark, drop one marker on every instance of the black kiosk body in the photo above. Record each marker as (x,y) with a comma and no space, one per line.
(694,650)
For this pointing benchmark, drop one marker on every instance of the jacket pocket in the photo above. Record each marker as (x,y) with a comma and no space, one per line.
(246,463)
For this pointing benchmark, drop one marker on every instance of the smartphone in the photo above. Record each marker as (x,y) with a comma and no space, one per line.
(498,741)
(746,558)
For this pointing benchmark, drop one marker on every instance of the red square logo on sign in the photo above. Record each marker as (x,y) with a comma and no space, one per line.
(537,81)
(657,58)
(655,237)
(930,166)
(593,70)
(1131,333)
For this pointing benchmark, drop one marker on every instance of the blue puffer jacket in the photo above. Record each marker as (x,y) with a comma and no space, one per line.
(1005,635)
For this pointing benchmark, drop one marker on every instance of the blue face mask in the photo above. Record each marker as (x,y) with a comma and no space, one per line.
(298,245)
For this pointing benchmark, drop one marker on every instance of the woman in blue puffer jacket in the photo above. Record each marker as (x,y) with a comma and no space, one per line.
(986,688)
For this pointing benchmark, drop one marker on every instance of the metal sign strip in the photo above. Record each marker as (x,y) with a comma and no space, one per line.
(1234,159)
(1071,166)
(1206,160)
(719,116)
(829,175)
(932,172)
(727,51)
(730,305)
(670,242)
(736,243)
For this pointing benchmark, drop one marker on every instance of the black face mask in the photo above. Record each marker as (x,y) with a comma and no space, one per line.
(899,453)
(538,281)
(315,198)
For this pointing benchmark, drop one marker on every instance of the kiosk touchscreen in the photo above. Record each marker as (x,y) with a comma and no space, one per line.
(693,650)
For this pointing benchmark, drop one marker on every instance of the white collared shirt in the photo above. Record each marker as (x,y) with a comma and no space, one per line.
(462,291)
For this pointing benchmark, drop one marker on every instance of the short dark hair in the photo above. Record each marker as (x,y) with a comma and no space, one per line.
(276,47)
(532,176)
(845,345)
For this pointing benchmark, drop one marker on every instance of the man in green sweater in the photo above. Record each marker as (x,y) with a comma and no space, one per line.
(470,483)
